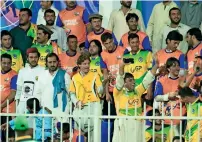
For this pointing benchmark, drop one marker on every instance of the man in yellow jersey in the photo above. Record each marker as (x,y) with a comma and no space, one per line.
(127,97)
(193,132)
(6,47)
(85,90)
(44,45)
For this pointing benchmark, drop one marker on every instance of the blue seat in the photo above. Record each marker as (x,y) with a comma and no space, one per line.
(104,130)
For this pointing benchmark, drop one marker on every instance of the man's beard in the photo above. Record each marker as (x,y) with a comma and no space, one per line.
(124,4)
(176,23)
(50,23)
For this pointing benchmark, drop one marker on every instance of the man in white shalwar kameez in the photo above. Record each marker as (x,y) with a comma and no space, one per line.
(51,81)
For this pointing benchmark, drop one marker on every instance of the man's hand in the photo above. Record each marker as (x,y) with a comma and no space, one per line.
(79,104)
(172,95)
(4,126)
(108,98)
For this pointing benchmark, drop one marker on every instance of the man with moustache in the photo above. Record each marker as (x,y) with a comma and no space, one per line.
(53,87)
(117,22)
(25,33)
(59,35)
(28,79)
(175,18)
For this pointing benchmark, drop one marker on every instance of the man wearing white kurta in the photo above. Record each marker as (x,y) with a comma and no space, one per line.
(27,81)
(158,19)
(175,18)
(50,82)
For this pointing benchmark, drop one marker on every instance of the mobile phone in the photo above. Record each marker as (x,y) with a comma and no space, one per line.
(128,60)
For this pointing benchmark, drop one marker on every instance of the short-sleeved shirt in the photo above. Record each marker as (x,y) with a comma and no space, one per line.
(191,54)
(85,87)
(7,84)
(17,62)
(68,62)
(111,61)
(143,38)
(23,40)
(74,22)
(129,99)
(163,55)
(142,63)
(93,35)
(166,85)
(45,50)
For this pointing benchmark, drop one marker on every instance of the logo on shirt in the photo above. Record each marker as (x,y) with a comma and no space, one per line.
(193,111)
(76,13)
(97,63)
(14,56)
(70,22)
(6,79)
(47,51)
(118,57)
(140,59)
(36,78)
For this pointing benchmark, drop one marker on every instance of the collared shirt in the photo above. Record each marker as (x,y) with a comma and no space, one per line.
(59,36)
(182,29)
(40,18)
(46,91)
(159,18)
(117,22)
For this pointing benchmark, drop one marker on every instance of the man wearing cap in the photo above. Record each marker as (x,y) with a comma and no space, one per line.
(44,45)
(59,35)
(28,80)
(98,30)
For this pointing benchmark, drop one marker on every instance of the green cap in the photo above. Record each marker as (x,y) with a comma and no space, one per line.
(21,123)
(98,16)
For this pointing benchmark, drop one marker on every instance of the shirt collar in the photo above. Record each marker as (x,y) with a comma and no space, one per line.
(4,50)
(98,33)
(48,43)
(169,76)
(197,45)
(91,58)
(136,53)
(195,101)
(82,74)
(71,9)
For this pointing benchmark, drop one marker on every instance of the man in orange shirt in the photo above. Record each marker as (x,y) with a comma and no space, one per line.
(194,38)
(74,19)
(132,21)
(7,90)
(68,60)
(98,30)
(110,60)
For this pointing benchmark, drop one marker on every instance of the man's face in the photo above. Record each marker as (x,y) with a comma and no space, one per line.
(157,121)
(130,83)
(132,24)
(65,137)
(85,66)
(126,3)
(109,44)
(189,40)
(72,44)
(52,63)
(45,4)
(96,24)
(70,3)
(93,49)
(134,44)
(50,19)
(6,64)
(33,59)
(6,41)
(41,37)
(175,16)
(185,99)
(173,44)
(24,18)
(175,69)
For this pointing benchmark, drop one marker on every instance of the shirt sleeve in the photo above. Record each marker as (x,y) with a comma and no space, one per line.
(121,43)
(59,21)
(149,61)
(20,78)
(201,50)
(85,17)
(146,44)
(115,40)
(182,61)
(158,89)
(87,44)
(102,63)
(13,82)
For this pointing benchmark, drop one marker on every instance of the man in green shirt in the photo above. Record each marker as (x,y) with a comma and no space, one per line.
(25,33)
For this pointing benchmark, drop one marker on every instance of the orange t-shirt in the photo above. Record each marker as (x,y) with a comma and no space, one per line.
(111,61)
(74,22)
(191,54)
(68,62)
(8,83)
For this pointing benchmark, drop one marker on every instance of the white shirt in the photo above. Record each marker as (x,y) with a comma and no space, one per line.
(158,19)
(28,81)
(59,36)
(40,17)
(46,90)
(117,22)
(182,29)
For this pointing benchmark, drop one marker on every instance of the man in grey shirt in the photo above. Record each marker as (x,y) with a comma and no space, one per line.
(191,13)
(59,35)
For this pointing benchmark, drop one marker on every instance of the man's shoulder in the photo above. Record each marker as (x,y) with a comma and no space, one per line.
(15,29)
